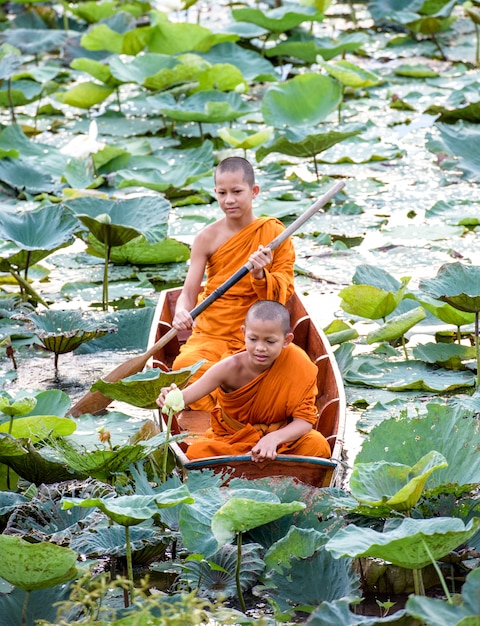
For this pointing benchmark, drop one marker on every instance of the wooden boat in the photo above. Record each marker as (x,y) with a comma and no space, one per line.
(330,402)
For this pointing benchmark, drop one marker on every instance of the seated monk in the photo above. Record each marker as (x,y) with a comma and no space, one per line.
(266,394)
(218,251)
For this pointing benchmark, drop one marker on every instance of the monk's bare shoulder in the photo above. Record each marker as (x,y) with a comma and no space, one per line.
(212,237)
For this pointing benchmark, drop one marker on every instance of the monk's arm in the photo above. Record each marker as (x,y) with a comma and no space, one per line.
(277,282)
(191,288)
(266,448)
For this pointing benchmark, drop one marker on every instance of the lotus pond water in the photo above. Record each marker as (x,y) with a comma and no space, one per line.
(113,116)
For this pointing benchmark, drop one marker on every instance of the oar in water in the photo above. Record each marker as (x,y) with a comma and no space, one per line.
(92,402)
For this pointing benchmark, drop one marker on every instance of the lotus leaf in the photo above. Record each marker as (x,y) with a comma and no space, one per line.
(433,612)
(397,326)
(308,48)
(85,95)
(297,543)
(173,38)
(369,301)
(64,331)
(31,566)
(458,140)
(457,284)
(139,252)
(304,100)
(448,355)
(21,406)
(456,437)
(405,375)
(241,514)
(132,510)
(405,544)
(206,106)
(217,577)
(394,485)
(39,427)
(143,389)
(444,311)
(350,74)
(102,464)
(280,19)
(244,139)
(195,521)
(252,65)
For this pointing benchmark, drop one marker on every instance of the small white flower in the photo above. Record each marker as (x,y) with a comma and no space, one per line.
(83,146)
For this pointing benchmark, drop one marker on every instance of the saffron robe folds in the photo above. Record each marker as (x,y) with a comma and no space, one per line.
(286,390)
(217,331)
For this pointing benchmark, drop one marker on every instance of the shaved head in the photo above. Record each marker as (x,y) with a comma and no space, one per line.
(270,311)
(235,164)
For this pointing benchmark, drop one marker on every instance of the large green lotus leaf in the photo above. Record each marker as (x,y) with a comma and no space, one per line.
(252,65)
(122,428)
(298,542)
(241,514)
(339,331)
(31,566)
(21,92)
(35,466)
(22,176)
(141,67)
(337,613)
(132,510)
(459,140)
(448,355)
(444,311)
(195,521)
(9,501)
(245,140)
(222,76)
(280,19)
(64,331)
(449,430)
(304,100)
(40,427)
(35,41)
(127,218)
(12,257)
(359,150)
(98,70)
(457,284)
(102,464)
(20,406)
(139,252)
(206,106)
(85,95)
(174,38)
(433,612)
(42,604)
(410,375)
(309,146)
(469,113)
(368,301)
(92,12)
(312,581)
(397,326)
(366,274)
(220,577)
(350,74)
(408,544)
(143,389)
(307,48)
(394,485)
(47,228)
(10,65)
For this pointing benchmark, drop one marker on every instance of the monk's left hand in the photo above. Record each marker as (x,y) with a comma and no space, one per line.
(264,450)
(260,259)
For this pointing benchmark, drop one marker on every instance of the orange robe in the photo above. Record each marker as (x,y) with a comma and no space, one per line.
(217,331)
(286,390)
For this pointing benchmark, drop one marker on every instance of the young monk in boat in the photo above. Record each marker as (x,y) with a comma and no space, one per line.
(219,251)
(266,394)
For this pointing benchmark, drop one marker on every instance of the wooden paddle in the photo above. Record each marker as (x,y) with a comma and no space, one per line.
(92,402)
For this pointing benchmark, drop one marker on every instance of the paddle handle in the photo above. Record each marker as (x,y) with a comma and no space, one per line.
(243,271)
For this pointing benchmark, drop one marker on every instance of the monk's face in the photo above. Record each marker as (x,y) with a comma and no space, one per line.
(264,340)
(234,194)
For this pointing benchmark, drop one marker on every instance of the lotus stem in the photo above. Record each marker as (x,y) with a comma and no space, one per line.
(105,279)
(418,582)
(237,573)
(10,100)
(24,608)
(165,446)
(129,561)
(28,288)
(477,45)
(477,348)
(439,573)
(404,345)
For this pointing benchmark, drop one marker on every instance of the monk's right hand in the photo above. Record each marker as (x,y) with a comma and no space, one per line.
(182,320)
(163,392)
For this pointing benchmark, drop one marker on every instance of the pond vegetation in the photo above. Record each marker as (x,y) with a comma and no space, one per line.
(113,117)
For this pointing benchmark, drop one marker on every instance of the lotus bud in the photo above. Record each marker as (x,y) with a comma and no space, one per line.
(104,218)
(173,402)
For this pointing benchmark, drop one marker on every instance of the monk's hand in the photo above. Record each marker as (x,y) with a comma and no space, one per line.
(265,449)
(260,259)
(163,394)
(182,320)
